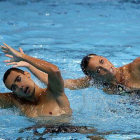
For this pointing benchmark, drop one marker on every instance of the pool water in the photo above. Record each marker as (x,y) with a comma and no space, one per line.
(63,32)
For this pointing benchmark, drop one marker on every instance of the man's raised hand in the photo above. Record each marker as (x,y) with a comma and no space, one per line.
(15,56)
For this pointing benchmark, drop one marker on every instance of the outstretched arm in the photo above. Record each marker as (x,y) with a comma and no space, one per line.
(80,83)
(55,84)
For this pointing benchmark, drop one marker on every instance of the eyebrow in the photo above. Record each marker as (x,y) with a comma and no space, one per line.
(14,81)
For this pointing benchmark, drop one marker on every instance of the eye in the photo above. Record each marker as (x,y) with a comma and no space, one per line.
(18,79)
(102,61)
(98,70)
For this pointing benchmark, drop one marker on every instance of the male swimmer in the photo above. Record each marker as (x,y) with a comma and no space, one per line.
(101,72)
(33,100)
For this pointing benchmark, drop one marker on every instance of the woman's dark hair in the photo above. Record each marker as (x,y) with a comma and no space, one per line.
(84,63)
(9,71)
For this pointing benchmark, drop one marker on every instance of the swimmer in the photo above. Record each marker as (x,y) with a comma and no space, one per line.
(101,73)
(33,100)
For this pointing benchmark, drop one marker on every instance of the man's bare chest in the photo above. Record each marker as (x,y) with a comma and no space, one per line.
(44,107)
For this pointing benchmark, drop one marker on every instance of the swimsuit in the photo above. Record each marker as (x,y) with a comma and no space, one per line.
(119,88)
(123,90)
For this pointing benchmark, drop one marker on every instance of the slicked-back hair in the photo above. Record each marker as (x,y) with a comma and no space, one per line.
(84,63)
(6,74)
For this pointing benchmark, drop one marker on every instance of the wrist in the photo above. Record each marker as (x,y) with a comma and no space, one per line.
(28,65)
(22,57)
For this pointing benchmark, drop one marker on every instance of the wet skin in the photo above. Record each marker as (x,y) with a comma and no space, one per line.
(104,74)
(100,68)
(21,84)
(33,100)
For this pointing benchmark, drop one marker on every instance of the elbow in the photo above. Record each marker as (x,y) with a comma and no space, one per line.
(56,71)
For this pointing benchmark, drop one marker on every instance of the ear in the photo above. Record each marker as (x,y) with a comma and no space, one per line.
(27,74)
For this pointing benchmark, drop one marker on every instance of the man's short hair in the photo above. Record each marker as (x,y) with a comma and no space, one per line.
(6,74)
(84,63)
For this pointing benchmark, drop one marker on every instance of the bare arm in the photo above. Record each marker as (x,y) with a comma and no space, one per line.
(43,77)
(77,83)
(55,84)
(7,100)
(55,81)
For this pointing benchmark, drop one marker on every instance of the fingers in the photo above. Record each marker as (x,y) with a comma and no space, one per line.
(5,49)
(8,55)
(15,66)
(9,61)
(6,61)
(13,63)
(6,45)
(20,49)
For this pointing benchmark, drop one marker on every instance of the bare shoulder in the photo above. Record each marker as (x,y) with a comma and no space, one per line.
(7,100)
(137,61)
(10,99)
(135,65)
(6,96)
(134,68)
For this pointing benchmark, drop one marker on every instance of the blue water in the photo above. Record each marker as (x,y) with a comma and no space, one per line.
(63,32)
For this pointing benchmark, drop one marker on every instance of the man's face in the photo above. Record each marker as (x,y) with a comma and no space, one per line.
(100,68)
(21,84)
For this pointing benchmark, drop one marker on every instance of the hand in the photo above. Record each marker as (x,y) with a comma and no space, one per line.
(19,64)
(12,53)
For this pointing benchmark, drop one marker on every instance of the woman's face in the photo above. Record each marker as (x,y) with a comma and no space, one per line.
(100,68)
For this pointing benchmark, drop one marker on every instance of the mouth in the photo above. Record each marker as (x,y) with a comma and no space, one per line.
(26,90)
